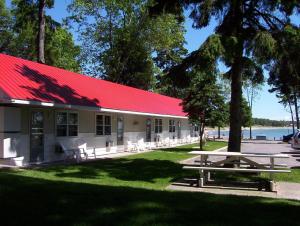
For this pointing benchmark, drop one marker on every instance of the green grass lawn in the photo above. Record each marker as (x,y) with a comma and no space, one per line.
(128,191)
(151,170)
(294,176)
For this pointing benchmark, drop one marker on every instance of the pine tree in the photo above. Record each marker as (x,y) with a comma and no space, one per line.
(244,31)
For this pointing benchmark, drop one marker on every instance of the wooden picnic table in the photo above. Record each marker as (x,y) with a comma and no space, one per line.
(237,156)
(226,153)
(239,159)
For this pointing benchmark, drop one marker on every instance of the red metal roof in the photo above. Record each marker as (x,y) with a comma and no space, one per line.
(26,80)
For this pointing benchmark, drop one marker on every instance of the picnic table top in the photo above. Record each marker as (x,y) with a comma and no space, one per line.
(238,154)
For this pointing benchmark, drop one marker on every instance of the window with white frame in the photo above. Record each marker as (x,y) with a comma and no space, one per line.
(103,125)
(66,124)
(172,126)
(158,125)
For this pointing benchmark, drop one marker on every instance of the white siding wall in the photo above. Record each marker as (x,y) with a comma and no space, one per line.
(10,131)
(18,144)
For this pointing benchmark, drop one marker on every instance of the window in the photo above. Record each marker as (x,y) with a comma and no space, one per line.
(172,126)
(103,125)
(66,124)
(158,126)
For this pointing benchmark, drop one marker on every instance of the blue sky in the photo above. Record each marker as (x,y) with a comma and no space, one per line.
(266,105)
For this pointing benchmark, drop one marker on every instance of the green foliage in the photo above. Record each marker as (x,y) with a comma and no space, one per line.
(26,29)
(21,30)
(243,27)
(269,122)
(265,46)
(246,114)
(62,52)
(284,70)
(6,23)
(128,63)
(204,102)
(122,44)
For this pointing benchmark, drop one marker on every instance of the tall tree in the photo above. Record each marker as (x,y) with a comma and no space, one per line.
(6,24)
(285,66)
(41,32)
(253,79)
(287,102)
(59,48)
(252,91)
(243,26)
(246,113)
(61,51)
(120,41)
(204,103)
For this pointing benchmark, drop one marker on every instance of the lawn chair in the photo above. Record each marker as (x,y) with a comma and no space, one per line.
(73,149)
(131,146)
(188,139)
(157,141)
(173,142)
(166,142)
(141,145)
(150,145)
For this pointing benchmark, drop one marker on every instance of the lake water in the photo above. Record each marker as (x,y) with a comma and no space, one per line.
(270,133)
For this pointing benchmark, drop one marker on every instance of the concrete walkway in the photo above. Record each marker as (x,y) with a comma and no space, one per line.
(275,148)
(99,157)
(284,190)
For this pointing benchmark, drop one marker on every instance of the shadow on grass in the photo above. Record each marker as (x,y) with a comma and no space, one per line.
(138,169)
(183,148)
(28,201)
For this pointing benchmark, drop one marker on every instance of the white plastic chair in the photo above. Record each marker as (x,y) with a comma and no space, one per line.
(150,145)
(131,146)
(166,142)
(73,150)
(173,142)
(142,146)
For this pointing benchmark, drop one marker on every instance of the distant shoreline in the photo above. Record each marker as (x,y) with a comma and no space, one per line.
(253,128)
(271,132)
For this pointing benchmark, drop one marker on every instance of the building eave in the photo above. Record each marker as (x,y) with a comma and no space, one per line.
(86,108)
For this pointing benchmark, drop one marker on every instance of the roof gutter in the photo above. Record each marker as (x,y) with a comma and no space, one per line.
(86,108)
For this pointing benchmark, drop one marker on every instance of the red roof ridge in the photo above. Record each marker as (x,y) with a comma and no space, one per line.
(90,77)
(28,80)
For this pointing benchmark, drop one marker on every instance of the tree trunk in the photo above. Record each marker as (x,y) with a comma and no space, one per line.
(41,32)
(234,144)
(296,110)
(201,130)
(292,115)
(219,132)
(251,104)
(201,143)
(110,28)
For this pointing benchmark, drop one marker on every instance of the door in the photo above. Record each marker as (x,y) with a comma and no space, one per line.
(179,130)
(37,136)
(120,131)
(191,130)
(148,130)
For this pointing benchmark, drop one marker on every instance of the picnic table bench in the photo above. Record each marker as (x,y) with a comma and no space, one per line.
(240,160)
